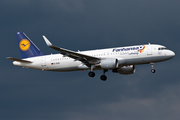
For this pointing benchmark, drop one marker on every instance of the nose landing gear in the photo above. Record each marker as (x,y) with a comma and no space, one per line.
(152,68)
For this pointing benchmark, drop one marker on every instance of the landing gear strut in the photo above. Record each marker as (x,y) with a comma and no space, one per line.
(91,73)
(152,68)
(103,77)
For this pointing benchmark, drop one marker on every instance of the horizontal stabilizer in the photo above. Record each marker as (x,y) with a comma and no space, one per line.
(19,60)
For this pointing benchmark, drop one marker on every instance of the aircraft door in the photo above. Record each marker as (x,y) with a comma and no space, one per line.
(149,49)
(43,62)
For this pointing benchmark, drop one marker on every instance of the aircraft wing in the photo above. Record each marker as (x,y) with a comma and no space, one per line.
(86,59)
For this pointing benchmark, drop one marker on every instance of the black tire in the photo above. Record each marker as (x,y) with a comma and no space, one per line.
(153,70)
(103,78)
(91,74)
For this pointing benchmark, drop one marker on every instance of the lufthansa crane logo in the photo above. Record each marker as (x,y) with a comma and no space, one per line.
(24,44)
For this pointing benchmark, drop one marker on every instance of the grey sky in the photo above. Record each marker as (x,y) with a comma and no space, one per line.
(83,25)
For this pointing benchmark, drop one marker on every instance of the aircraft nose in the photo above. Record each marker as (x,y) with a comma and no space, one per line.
(171,54)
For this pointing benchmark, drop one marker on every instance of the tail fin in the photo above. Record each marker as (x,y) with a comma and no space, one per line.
(26,46)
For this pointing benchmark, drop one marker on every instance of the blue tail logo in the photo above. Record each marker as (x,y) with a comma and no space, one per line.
(26,46)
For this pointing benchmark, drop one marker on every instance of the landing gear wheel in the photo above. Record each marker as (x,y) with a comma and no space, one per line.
(103,78)
(153,70)
(91,74)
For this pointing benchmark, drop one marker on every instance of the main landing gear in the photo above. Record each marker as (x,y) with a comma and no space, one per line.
(152,68)
(92,74)
(103,77)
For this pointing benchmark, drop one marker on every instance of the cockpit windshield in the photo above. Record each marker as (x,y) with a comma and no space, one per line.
(162,48)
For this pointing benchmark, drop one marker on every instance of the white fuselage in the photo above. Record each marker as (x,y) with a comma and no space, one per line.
(131,55)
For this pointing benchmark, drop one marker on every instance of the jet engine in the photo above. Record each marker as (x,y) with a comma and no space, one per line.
(125,70)
(109,63)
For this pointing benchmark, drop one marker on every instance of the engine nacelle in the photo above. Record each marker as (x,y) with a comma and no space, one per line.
(109,63)
(130,69)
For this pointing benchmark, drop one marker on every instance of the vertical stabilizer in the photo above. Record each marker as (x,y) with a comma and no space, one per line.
(26,46)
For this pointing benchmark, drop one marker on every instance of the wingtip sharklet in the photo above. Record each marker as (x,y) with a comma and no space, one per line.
(47,41)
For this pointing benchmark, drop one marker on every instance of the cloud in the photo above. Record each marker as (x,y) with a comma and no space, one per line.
(66,5)
(163,105)
(70,6)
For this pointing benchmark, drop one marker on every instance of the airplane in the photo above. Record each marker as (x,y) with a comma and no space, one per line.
(120,60)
